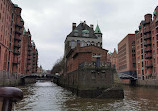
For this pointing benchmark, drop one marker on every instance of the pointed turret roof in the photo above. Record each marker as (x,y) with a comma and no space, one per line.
(97,30)
(24,31)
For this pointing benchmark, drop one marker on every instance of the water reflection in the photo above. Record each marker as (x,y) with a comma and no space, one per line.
(46,96)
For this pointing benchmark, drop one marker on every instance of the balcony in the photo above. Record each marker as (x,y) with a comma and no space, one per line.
(15,63)
(17,45)
(146,38)
(148,57)
(17,32)
(145,23)
(17,38)
(156,26)
(28,63)
(147,44)
(19,25)
(17,52)
(29,54)
(149,66)
(29,49)
(157,34)
(147,31)
(147,50)
(28,58)
(29,45)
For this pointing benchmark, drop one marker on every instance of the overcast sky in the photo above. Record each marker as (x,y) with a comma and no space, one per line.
(50,21)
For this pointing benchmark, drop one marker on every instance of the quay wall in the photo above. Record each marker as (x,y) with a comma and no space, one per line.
(92,83)
(8,79)
(150,83)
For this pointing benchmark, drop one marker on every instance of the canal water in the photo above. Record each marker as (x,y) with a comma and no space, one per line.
(47,96)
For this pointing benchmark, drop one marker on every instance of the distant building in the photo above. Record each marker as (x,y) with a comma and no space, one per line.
(88,55)
(109,57)
(147,47)
(11,26)
(127,56)
(82,44)
(13,41)
(114,60)
(84,35)
(39,70)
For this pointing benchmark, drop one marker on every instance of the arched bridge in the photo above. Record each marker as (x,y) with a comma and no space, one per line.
(127,76)
(32,78)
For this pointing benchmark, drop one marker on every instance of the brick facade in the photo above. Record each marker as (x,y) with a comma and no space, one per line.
(113,59)
(127,56)
(147,47)
(12,40)
(87,54)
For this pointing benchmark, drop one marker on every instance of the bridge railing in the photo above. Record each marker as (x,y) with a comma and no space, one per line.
(126,76)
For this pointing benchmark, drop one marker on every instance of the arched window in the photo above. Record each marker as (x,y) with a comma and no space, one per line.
(73,44)
(82,43)
(99,45)
(88,43)
(92,43)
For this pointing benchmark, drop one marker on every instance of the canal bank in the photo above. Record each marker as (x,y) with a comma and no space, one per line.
(8,79)
(143,83)
(47,96)
(92,82)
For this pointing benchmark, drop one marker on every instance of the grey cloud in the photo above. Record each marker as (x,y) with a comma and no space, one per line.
(50,21)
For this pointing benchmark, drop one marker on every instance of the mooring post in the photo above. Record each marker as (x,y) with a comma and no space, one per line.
(8,96)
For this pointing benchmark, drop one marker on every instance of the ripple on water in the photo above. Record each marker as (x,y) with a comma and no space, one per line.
(47,96)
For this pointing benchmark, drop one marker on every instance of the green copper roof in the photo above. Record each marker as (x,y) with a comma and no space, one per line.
(22,20)
(75,30)
(97,30)
(24,31)
(154,13)
(85,31)
(139,26)
(15,5)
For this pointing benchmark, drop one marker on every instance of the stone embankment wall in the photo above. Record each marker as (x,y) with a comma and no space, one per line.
(152,83)
(92,83)
(7,79)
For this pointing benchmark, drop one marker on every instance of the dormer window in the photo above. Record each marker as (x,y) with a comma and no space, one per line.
(75,32)
(85,33)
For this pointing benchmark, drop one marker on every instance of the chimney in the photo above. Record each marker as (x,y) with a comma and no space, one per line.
(84,22)
(73,26)
(91,26)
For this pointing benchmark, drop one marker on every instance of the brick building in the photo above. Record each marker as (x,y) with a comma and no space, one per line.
(127,56)
(114,60)
(83,34)
(12,39)
(82,44)
(147,47)
(29,55)
(10,36)
(85,55)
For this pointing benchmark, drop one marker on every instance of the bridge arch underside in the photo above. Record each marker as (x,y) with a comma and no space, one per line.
(27,79)
(130,76)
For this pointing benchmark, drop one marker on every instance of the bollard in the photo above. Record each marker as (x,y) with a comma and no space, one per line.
(8,96)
